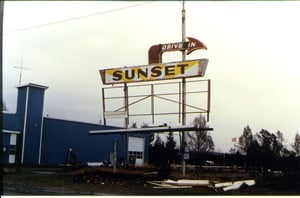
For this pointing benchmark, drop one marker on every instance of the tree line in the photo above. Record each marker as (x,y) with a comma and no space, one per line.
(262,152)
(166,153)
(265,152)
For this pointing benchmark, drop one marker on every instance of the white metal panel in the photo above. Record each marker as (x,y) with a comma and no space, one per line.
(12,142)
(11,159)
(115,114)
(136,144)
(13,139)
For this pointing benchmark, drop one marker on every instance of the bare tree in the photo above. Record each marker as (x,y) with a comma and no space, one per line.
(200,140)
(245,140)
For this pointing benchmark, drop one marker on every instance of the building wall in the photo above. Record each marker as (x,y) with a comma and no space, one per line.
(47,140)
(33,128)
(60,135)
(26,120)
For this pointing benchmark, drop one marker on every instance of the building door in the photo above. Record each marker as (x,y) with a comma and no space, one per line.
(12,149)
(9,146)
(136,149)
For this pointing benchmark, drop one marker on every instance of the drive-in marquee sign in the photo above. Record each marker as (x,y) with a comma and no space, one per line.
(155,52)
(157,71)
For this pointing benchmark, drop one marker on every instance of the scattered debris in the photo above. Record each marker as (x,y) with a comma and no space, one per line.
(100,164)
(9,170)
(222,184)
(163,184)
(179,183)
(95,164)
(184,183)
(238,184)
(154,173)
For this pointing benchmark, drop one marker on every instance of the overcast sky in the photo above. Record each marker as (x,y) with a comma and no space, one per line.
(253,52)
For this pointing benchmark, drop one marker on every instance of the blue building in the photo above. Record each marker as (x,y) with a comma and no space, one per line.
(30,138)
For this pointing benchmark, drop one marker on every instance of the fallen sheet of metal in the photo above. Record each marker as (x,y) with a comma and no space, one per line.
(95,164)
(180,183)
(236,185)
(186,182)
(222,184)
(163,184)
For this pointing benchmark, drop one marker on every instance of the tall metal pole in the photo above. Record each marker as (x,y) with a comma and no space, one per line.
(126,104)
(183,30)
(126,121)
(152,103)
(183,144)
(103,105)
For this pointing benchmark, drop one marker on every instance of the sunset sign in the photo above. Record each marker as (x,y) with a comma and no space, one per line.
(159,71)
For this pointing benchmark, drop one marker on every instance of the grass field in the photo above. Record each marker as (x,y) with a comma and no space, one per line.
(102,181)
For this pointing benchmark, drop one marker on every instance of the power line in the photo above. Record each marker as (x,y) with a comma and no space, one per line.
(80,17)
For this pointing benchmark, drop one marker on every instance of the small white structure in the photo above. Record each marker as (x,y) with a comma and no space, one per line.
(136,149)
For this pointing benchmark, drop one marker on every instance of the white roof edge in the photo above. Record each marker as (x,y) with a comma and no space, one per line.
(33,85)
(10,131)
(151,129)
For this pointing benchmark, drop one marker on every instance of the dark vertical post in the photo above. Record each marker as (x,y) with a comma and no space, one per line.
(1,31)
(126,120)
(152,102)
(115,155)
(179,104)
(1,35)
(126,105)
(183,144)
(208,100)
(103,105)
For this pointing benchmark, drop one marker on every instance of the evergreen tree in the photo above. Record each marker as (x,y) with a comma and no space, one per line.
(254,155)
(157,153)
(171,151)
(296,144)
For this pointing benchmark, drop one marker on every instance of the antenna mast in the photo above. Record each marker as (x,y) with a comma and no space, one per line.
(21,66)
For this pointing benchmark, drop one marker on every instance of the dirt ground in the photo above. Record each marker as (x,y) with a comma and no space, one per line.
(102,181)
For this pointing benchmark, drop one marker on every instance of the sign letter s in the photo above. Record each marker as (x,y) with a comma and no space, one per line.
(117,75)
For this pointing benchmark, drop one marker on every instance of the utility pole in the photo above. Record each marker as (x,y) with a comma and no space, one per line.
(183,143)
(126,104)
(1,32)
